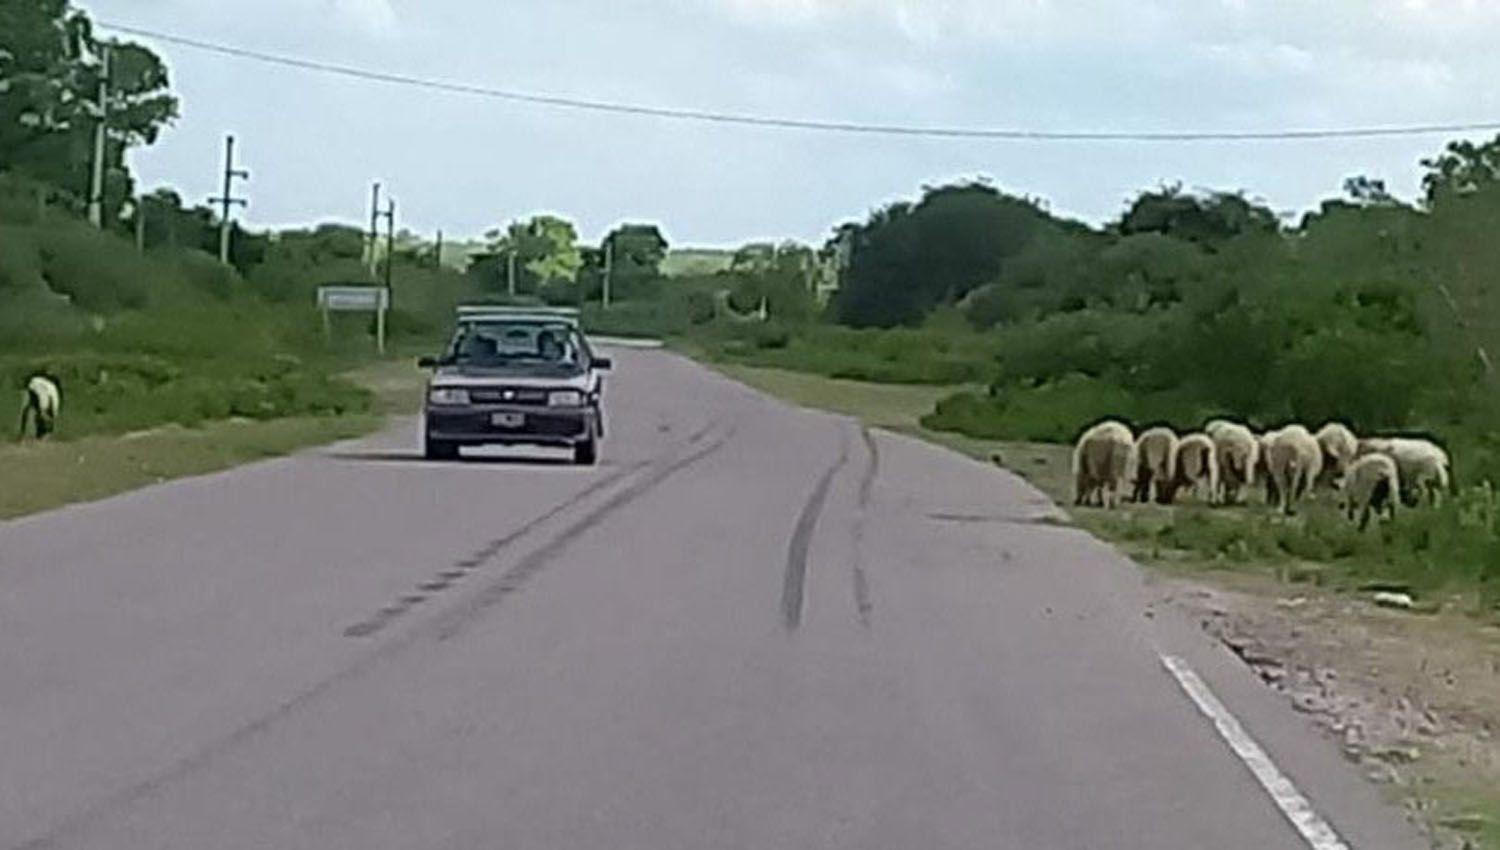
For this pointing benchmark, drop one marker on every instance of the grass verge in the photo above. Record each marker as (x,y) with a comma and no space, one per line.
(41,476)
(45,475)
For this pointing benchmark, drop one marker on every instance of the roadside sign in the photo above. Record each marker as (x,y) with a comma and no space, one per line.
(354,299)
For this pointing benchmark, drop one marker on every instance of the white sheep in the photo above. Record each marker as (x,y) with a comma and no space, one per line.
(1294,461)
(1102,462)
(1155,460)
(1236,452)
(1339,447)
(1196,467)
(1424,466)
(1372,484)
(43,402)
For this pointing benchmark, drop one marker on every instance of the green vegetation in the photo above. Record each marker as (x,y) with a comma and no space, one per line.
(134,317)
(682,262)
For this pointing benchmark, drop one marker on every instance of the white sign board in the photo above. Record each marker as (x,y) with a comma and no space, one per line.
(375,299)
(352,298)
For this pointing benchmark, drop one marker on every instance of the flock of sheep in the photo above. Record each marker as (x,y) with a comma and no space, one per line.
(1371,474)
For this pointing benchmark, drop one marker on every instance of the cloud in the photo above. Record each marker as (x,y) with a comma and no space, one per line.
(373,17)
(1376,25)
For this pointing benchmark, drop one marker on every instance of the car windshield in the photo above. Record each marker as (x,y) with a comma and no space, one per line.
(502,343)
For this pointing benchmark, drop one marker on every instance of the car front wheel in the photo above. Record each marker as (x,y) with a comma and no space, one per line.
(586,453)
(440,450)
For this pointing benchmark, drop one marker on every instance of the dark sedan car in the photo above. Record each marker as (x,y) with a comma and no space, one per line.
(514,376)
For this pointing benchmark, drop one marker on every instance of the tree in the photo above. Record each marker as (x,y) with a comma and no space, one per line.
(754,258)
(168,223)
(1464,168)
(545,249)
(636,252)
(778,276)
(637,249)
(1203,219)
(50,68)
(1368,191)
(908,258)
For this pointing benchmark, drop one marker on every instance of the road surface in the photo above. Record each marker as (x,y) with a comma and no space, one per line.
(751,626)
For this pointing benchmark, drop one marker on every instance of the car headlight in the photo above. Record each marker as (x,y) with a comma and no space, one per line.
(564,398)
(448,395)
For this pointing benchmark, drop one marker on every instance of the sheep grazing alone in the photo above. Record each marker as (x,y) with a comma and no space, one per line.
(1194,467)
(1424,466)
(1339,447)
(1294,461)
(1372,484)
(43,401)
(1155,458)
(1102,462)
(1236,452)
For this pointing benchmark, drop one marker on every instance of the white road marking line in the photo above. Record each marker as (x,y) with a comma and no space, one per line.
(1316,831)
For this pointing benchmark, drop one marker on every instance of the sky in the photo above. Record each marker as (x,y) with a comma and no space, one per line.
(465,164)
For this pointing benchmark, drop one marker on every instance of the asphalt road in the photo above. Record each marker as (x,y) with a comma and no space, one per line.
(751,627)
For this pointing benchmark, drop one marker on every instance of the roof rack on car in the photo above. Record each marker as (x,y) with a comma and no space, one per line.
(504,311)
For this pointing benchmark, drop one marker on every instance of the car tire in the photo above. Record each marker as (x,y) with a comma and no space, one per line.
(440,450)
(586,453)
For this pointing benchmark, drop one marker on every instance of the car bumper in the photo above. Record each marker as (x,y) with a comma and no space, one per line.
(475,425)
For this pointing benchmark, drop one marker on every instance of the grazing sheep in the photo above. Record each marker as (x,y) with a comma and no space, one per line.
(1339,448)
(1372,484)
(1424,466)
(1214,426)
(1155,458)
(1294,460)
(43,401)
(1102,462)
(1236,452)
(1195,468)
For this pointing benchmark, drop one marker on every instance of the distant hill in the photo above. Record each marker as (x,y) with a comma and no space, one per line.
(691,261)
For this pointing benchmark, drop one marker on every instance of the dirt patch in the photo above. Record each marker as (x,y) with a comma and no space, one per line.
(1413,699)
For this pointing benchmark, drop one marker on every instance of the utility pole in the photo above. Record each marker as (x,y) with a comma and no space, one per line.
(390,241)
(96,178)
(437,254)
(140,225)
(227,200)
(510,271)
(374,218)
(609,268)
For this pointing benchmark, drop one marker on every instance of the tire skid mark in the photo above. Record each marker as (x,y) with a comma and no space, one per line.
(91,815)
(463,567)
(867,481)
(515,578)
(863,606)
(793,585)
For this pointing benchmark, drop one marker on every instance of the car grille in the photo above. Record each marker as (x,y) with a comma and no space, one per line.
(507,395)
(540,424)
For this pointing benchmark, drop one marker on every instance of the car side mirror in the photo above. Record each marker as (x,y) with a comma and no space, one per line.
(603,364)
(428,362)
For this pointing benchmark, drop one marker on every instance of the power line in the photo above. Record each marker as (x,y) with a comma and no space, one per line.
(778,122)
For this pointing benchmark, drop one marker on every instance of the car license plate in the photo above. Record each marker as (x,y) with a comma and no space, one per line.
(507,420)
